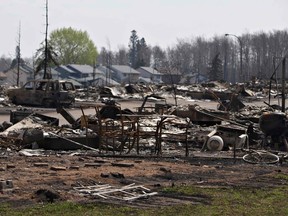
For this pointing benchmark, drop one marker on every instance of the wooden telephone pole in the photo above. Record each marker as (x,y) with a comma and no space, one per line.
(283,84)
(18,55)
(46,44)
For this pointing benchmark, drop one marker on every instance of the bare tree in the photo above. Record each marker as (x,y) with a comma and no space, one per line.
(121,56)
(181,54)
(194,55)
(158,57)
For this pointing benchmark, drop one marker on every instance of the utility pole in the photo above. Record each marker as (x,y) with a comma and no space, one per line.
(46,44)
(18,55)
(94,72)
(283,83)
(107,67)
(33,65)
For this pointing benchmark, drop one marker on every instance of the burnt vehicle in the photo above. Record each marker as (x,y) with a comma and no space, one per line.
(45,92)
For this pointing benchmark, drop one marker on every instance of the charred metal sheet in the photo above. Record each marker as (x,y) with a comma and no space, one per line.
(202,116)
(44,119)
(18,115)
(68,143)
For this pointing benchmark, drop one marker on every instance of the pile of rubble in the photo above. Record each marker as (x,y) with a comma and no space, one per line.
(164,126)
(174,130)
(170,126)
(4,101)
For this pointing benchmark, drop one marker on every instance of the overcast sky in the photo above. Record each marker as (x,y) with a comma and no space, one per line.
(160,22)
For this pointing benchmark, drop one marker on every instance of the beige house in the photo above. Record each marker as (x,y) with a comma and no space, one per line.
(3,78)
(25,74)
(150,74)
(124,74)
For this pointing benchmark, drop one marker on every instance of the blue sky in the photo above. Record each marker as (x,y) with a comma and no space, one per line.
(160,22)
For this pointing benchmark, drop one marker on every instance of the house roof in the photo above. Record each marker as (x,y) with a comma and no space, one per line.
(110,81)
(53,72)
(27,68)
(81,68)
(125,69)
(98,77)
(99,72)
(23,68)
(151,70)
(103,69)
(85,79)
(65,68)
(75,83)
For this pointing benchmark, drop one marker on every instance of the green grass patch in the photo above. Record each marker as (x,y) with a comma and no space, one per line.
(69,209)
(281,176)
(223,201)
(238,201)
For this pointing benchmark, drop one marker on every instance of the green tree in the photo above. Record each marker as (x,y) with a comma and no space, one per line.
(139,52)
(215,69)
(143,54)
(73,46)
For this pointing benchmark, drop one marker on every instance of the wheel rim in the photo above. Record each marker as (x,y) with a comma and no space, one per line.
(261,158)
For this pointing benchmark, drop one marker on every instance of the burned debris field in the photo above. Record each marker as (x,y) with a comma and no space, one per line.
(204,149)
(99,115)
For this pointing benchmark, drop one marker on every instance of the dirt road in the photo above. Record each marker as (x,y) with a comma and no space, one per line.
(77,113)
(129,104)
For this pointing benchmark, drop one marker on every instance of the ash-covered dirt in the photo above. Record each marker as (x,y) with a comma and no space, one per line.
(51,176)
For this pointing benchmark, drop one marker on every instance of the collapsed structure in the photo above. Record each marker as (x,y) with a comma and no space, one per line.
(88,154)
(161,128)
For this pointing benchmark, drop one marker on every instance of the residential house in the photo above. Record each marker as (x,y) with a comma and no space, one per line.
(51,71)
(82,74)
(99,76)
(64,72)
(24,74)
(103,77)
(3,78)
(170,76)
(87,75)
(150,75)
(102,80)
(81,71)
(124,74)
